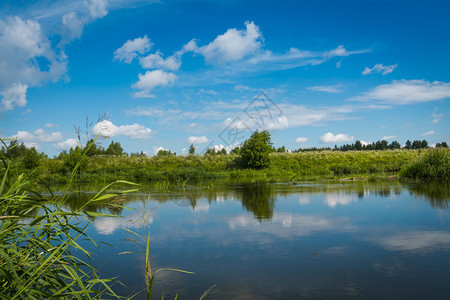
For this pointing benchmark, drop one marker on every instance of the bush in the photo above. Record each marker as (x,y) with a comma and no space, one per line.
(432,165)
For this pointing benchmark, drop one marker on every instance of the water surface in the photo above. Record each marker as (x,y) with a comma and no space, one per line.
(284,241)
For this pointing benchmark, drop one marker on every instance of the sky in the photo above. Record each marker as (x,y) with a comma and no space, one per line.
(167,74)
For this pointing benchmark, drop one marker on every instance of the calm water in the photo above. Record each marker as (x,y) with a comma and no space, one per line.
(285,241)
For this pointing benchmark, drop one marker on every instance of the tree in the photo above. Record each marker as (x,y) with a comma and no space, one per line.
(75,158)
(191,149)
(164,152)
(255,151)
(424,144)
(114,149)
(408,144)
(31,159)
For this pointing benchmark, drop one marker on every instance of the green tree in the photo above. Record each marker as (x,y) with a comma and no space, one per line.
(408,144)
(164,152)
(191,149)
(255,151)
(114,149)
(74,158)
(31,159)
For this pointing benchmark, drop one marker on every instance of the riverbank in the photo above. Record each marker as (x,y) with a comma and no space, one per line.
(182,170)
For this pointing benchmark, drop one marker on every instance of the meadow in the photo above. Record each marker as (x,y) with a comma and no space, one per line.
(194,169)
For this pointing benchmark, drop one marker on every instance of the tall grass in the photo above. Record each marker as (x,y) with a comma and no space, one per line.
(40,253)
(433,164)
(192,169)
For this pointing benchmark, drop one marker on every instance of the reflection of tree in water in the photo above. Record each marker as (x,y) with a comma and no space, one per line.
(437,193)
(259,198)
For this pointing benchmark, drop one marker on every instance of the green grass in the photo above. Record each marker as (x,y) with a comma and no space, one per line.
(38,240)
(433,164)
(180,170)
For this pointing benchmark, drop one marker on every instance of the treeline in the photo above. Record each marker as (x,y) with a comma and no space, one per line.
(384,145)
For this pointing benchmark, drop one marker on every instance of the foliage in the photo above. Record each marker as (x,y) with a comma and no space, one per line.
(114,149)
(31,159)
(38,238)
(191,149)
(255,151)
(434,164)
(73,158)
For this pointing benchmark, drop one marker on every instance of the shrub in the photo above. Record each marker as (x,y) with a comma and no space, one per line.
(432,165)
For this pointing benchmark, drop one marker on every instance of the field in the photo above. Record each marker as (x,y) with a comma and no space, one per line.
(181,170)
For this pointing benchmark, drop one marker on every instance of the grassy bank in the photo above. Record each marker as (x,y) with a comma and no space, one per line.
(181,170)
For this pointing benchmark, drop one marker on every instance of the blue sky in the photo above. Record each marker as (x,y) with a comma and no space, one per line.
(172,73)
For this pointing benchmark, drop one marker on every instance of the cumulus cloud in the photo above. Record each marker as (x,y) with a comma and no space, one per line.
(338,138)
(32,139)
(408,91)
(14,96)
(132,48)
(26,59)
(431,132)
(150,80)
(301,140)
(233,45)
(67,144)
(197,139)
(156,61)
(135,131)
(334,89)
(379,68)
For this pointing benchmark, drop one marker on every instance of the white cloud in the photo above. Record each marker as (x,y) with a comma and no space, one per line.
(241,88)
(209,92)
(190,47)
(301,140)
(408,91)
(279,123)
(156,61)
(233,45)
(379,68)
(26,59)
(335,89)
(436,117)
(152,79)
(32,139)
(135,131)
(67,144)
(338,138)
(388,137)
(14,96)
(132,48)
(85,12)
(431,132)
(295,58)
(197,139)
